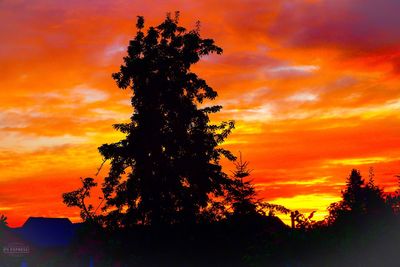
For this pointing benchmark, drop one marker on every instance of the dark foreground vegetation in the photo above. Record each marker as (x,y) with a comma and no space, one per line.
(167,202)
(363,229)
(364,240)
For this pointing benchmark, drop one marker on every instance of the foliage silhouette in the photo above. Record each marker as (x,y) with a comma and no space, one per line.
(242,196)
(393,200)
(301,221)
(360,200)
(361,230)
(77,199)
(167,168)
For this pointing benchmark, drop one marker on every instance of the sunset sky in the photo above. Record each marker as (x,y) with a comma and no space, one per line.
(313,87)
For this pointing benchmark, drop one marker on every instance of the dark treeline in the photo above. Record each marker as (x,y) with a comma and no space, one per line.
(361,230)
(167,202)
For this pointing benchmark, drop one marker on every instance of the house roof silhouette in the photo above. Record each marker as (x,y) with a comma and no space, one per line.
(47,232)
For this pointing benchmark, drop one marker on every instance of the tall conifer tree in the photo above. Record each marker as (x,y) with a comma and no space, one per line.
(167,168)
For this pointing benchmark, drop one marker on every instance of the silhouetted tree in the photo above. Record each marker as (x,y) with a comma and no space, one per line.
(359,200)
(301,221)
(167,168)
(393,199)
(77,199)
(242,194)
(376,204)
(353,195)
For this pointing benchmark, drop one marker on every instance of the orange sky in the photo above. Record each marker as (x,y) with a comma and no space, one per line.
(313,87)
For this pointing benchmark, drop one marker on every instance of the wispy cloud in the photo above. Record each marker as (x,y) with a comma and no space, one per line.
(303,97)
(360,161)
(292,71)
(87,94)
